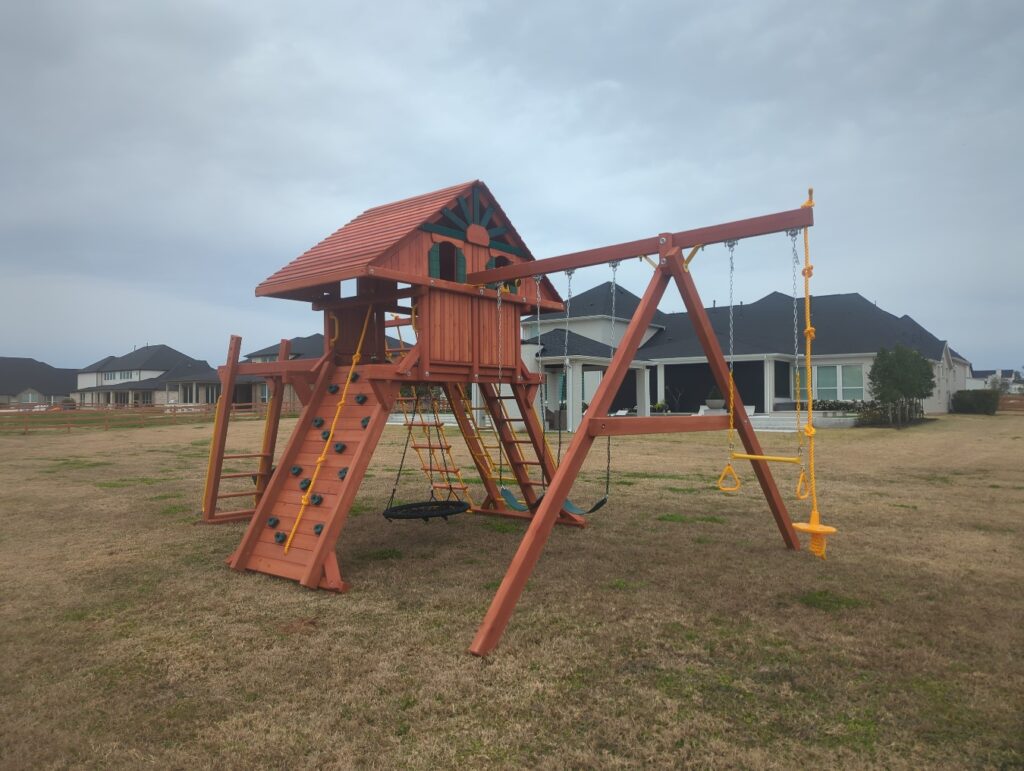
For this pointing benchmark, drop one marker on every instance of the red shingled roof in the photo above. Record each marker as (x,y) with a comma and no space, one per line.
(348,251)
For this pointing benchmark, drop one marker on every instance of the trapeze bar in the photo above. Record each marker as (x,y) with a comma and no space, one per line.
(771,458)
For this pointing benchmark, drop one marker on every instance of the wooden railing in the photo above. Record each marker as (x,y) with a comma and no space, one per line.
(20,420)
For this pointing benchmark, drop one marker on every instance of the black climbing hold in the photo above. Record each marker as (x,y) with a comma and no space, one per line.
(316,499)
(325,434)
(360,398)
(305,483)
(318,528)
(296,470)
(339,447)
(280,537)
(332,388)
(343,473)
(317,422)
(365,421)
(355,376)
(272,522)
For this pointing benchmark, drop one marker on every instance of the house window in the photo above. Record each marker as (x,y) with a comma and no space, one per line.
(125,374)
(186,395)
(826,377)
(121,398)
(447,262)
(212,393)
(264,393)
(147,397)
(109,375)
(853,382)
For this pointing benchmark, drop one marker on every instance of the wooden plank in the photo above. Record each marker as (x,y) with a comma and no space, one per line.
(729,231)
(670,424)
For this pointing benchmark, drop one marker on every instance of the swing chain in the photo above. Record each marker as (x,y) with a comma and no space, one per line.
(731,246)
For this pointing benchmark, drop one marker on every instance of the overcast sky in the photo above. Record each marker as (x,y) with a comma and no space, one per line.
(161,159)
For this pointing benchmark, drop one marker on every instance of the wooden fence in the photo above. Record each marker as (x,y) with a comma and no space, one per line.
(1011,403)
(105,418)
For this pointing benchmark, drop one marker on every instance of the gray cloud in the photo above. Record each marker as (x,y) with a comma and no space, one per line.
(161,159)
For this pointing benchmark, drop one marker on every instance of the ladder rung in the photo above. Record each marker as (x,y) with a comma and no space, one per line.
(524,462)
(446,486)
(247,455)
(235,513)
(236,495)
(424,424)
(243,474)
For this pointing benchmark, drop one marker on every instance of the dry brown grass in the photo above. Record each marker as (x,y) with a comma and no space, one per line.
(676,630)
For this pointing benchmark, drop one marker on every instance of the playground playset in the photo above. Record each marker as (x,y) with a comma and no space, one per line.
(451,265)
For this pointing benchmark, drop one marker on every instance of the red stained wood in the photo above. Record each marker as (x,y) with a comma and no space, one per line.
(670,424)
(476,234)
(715,234)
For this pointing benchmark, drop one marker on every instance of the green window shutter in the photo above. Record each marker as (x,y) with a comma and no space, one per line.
(434,261)
(460,266)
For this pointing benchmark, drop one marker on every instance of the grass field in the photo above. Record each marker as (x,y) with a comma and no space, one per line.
(676,630)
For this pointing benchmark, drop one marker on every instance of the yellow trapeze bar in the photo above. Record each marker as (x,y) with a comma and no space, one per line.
(773,458)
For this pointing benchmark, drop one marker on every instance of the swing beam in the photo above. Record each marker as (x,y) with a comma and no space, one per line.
(671,266)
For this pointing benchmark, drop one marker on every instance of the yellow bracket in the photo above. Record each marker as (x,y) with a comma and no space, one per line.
(690,256)
(723,479)
(771,458)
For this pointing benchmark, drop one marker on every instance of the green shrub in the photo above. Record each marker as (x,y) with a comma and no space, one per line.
(976,402)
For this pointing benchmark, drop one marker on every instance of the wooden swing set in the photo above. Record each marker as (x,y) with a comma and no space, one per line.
(451,265)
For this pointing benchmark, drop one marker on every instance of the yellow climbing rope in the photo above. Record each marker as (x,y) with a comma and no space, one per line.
(334,423)
(814,528)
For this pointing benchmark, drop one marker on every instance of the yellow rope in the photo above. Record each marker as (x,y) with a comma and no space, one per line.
(817,531)
(334,423)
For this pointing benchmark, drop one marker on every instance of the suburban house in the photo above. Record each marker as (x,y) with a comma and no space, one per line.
(153,374)
(1000,379)
(670,367)
(27,381)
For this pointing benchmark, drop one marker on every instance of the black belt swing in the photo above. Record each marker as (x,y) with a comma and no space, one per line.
(434,507)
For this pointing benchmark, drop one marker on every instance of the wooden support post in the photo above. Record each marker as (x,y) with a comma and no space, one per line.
(673,263)
(504,602)
(222,415)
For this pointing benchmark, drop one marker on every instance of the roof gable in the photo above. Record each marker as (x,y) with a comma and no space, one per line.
(366,240)
(149,357)
(597,301)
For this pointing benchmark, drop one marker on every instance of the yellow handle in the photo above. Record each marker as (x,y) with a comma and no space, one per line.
(803,490)
(728,473)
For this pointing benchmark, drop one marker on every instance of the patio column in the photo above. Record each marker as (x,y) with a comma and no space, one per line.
(769,385)
(574,396)
(643,391)
(661,383)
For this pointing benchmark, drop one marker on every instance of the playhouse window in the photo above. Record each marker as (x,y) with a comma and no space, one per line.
(447,262)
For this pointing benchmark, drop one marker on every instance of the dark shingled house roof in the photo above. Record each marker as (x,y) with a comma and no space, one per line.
(598,302)
(152,357)
(553,344)
(845,323)
(311,347)
(19,374)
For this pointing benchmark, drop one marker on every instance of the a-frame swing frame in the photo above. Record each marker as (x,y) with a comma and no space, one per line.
(671,266)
